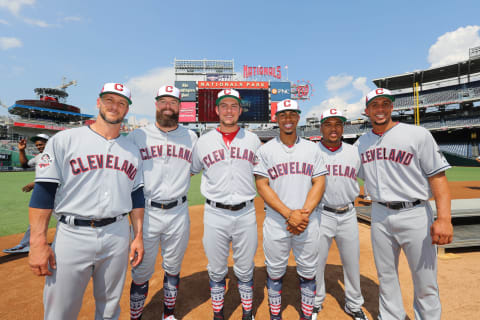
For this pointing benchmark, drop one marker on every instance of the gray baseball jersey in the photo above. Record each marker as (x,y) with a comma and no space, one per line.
(228,179)
(33,161)
(95,179)
(341,186)
(290,171)
(227,172)
(341,189)
(397,164)
(167,158)
(86,167)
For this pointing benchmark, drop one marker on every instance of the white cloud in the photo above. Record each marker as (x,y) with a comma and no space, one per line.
(14,6)
(453,46)
(338,82)
(71,18)
(350,99)
(9,43)
(35,22)
(361,85)
(144,88)
(4,22)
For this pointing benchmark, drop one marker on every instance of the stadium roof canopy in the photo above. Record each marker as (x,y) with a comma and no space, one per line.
(452,71)
(37,112)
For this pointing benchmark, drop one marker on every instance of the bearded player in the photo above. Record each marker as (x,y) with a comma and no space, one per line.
(166,151)
(403,167)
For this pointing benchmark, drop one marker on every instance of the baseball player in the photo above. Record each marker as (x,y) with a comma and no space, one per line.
(91,177)
(166,151)
(227,156)
(402,167)
(40,140)
(290,177)
(337,215)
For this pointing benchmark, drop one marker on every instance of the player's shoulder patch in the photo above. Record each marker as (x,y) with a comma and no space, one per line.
(45,160)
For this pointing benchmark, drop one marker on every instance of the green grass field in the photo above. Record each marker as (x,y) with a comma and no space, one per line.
(14,202)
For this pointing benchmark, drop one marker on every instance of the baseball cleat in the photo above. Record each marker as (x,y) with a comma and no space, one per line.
(19,248)
(170,317)
(357,315)
(315,312)
(248,317)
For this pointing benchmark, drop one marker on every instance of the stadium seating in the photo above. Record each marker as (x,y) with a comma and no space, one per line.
(439,96)
(463,149)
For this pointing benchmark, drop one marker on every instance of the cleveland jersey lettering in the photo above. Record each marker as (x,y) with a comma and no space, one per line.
(99,161)
(399,156)
(337,170)
(171,150)
(234,152)
(293,167)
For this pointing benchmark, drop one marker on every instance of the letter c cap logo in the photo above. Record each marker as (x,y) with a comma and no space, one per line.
(118,87)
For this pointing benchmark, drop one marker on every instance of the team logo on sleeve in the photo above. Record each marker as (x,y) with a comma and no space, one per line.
(45,160)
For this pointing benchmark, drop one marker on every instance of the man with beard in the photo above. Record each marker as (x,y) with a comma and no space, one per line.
(166,151)
(403,167)
(290,177)
(227,156)
(91,177)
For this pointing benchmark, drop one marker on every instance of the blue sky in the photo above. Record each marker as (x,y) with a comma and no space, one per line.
(339,46)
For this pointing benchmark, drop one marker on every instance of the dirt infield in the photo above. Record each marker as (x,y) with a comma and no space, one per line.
(457,276)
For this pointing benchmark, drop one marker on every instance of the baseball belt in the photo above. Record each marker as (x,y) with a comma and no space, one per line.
(94,223)
(232,207)
(339,210)
(169,205)
(400,205)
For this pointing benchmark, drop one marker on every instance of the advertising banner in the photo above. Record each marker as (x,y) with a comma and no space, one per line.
(188,90)
(254,105)
(188,112)
(280,91)
(39,126)
(233,84)
(273,110)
